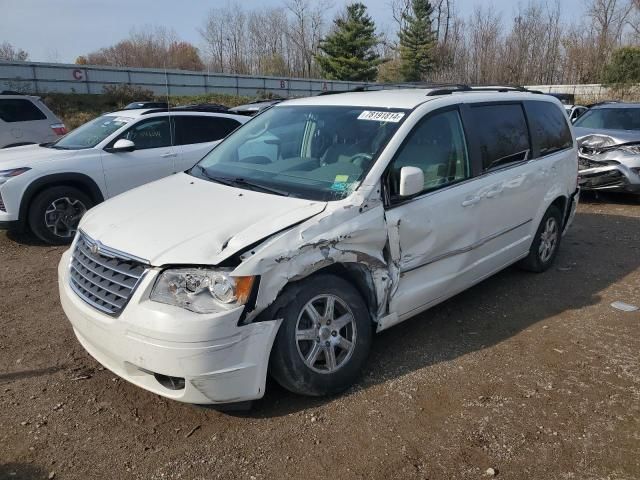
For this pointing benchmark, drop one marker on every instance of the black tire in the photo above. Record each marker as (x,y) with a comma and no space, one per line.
(287,365)
(77,203)
(536,261)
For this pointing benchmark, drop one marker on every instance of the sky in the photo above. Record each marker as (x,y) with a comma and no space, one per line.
(61,30)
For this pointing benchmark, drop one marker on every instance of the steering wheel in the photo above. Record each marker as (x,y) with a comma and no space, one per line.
(361,158)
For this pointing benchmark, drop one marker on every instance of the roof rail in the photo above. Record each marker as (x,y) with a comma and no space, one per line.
(447,90)
(201,107)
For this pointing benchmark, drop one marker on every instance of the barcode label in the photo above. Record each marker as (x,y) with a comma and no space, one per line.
(394,117)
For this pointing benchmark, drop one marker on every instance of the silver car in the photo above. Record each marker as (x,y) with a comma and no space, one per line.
(609,148)
(25,119)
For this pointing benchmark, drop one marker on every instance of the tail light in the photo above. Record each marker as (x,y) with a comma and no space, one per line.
(59,129)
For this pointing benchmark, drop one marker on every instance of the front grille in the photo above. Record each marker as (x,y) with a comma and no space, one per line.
(2,207)
(104,279)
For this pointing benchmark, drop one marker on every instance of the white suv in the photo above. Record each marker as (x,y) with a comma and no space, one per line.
(48,187)
(25,120)
(319,222)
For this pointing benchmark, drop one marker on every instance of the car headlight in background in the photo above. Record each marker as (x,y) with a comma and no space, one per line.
(201,290)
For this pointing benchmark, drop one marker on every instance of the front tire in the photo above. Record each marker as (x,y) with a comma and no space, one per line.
(324,340)
(55,213)
(546,242)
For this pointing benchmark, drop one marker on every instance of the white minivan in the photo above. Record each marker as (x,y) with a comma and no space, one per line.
(319,222)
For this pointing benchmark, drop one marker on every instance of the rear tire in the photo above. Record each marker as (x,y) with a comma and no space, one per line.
(54,213)
(546,242)
(319,350)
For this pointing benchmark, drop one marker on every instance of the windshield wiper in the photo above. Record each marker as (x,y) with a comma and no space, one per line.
(241,182)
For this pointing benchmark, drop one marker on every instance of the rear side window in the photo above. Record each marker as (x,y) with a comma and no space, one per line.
(549,127)
(194,129)
(19,110)
(502,134)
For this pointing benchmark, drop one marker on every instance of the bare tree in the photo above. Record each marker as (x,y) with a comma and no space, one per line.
(11,53)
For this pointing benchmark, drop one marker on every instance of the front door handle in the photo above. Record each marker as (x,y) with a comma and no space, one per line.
(494,192)
(471,201)
(169,155)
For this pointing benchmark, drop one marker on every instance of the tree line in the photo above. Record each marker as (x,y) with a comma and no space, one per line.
(428,41)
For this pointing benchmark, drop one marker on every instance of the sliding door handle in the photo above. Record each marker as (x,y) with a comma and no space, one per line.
(471,201)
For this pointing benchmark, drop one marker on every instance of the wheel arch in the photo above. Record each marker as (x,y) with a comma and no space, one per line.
(358,275)
(77,180)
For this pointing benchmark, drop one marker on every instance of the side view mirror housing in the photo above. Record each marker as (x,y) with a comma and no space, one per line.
(411,181)
(122,145)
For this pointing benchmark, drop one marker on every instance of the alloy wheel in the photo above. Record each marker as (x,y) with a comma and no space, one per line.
(326,333)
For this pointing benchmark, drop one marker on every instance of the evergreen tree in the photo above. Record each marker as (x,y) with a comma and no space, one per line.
(417,42)
(348,52)
(624,68)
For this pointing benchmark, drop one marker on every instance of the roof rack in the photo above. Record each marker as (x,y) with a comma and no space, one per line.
(200,107)
(449,89)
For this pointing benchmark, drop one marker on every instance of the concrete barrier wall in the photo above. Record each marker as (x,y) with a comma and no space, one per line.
(40,78)
(33,77)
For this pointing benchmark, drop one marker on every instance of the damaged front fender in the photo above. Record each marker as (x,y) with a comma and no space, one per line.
(344,234)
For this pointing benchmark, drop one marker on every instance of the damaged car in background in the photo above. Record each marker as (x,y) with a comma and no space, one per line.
(609,148)
(319,222)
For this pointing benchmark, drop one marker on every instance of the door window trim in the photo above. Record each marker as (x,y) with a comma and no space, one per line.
(172,132)
(387,201)
(475,140)
(535,144)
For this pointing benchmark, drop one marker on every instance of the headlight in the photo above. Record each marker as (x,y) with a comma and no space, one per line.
(14,172)
(201,290)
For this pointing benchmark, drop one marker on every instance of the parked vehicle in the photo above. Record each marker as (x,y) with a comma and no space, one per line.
(48,187)
(253,108)
(146,104)
(25,119)
(320,221)
(609,148)
(575,111)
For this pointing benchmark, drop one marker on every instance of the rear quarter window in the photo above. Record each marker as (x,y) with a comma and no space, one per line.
(19,110)
(549,128)
(502,134)
(200,129)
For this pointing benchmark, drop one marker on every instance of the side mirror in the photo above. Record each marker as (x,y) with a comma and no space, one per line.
(122,145)
(411,181)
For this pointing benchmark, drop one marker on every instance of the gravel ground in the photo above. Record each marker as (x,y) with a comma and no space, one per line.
(533,376)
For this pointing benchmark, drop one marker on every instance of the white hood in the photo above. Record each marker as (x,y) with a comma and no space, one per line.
(31,155)
(185,220)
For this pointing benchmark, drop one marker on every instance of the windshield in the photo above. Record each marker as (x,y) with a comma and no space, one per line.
(314,152)
(91,133)
(611,119)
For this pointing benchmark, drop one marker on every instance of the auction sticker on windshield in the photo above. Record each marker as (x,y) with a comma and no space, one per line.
(394,117)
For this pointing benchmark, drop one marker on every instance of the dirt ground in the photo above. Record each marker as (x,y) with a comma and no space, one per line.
(535,376)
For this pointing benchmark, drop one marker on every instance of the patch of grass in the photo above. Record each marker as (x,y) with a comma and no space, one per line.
(74,109)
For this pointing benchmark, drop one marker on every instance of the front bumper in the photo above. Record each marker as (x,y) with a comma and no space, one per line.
(219,361)
(607,177)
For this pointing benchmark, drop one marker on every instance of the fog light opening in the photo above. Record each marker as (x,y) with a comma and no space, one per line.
(172,383)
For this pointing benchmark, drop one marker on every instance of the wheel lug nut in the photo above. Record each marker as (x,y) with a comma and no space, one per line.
(327,343)
(334,334)
(318,339)
(328,322)
(318,325)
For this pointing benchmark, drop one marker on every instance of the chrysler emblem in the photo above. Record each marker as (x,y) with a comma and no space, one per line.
(95,249)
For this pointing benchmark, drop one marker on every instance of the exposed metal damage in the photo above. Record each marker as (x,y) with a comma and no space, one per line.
(609,163)
(354,236)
